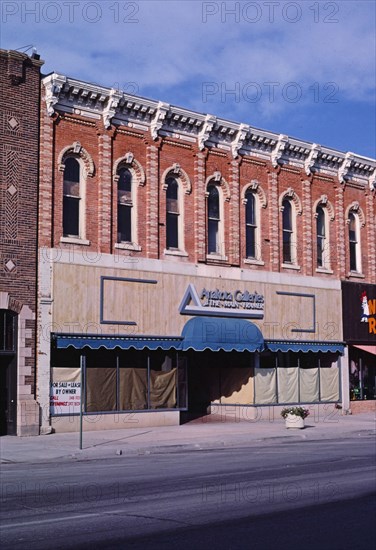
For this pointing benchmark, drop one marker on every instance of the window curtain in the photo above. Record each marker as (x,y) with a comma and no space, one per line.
(100,389)
(133,390)
(309,385)
(265,386)
(288,385)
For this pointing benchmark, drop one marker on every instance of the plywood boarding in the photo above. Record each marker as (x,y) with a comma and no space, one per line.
(155,307)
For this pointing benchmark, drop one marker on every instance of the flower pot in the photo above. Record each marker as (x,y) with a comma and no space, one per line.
(293,421)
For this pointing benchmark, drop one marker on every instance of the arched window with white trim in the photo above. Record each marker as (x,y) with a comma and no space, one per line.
(124,205)
(214,232)
(251,229)
(321,237)
(73,203)
(288,245)
(172,214)
(354,242)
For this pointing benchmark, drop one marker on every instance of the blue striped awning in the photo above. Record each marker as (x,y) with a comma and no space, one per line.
(221,334)
(64,341)
(283,345)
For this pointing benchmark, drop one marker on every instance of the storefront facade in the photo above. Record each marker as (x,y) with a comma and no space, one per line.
(189,264)
(359,328)
(155,342)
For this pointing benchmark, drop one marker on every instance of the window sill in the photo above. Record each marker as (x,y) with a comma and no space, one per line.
(356,275)
(128,246)
(324,270)
(172,252)
(253,262)
(216,258)
(291,266)
(75,240)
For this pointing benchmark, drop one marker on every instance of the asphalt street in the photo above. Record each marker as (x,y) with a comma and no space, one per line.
(273,494)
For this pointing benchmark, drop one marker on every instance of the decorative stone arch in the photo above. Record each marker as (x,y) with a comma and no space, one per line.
(77,151)
(217,178)
(178,173)
(258,190)
(291,195)
(128,161)
(355,208)
(325,203)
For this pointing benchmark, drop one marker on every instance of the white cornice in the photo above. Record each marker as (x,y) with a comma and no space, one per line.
(68,95)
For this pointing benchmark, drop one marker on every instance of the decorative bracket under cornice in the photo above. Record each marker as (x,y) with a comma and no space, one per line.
(237,144)
(311,159)
(279,149)
(53,87)
(204,134)
(110,109)
(157,122)
(344,169)
(372,181)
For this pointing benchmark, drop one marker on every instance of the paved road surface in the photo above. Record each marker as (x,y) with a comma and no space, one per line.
(283,495)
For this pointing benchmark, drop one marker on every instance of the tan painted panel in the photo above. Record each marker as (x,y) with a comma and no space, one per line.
(155,307)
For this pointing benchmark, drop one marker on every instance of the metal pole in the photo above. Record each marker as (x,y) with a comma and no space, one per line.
(82,362)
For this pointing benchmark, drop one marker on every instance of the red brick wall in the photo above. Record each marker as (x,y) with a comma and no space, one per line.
(107,146)
(362,406)
(19,132)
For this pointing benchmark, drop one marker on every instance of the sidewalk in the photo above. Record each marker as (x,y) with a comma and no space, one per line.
(205,433)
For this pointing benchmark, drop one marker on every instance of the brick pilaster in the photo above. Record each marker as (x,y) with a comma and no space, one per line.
(152,178)
(46,176)
(341,233)
(234,233)
(371,236)
(274,221)
(199,208)
(104,191)
(307,229)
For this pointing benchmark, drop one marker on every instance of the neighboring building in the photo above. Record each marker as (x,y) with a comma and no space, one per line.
(190,263)
(359,332)
(19,131)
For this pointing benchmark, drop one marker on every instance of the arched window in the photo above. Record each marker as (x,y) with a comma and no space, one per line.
(321,238)
(213,220)
(72,199)
(288,232)
(124,205)
(172,213)
(354,246)
(250,225)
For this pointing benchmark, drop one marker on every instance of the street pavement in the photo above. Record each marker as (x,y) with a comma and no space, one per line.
(210,432)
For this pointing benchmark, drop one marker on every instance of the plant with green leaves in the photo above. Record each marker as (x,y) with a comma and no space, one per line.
(295,411)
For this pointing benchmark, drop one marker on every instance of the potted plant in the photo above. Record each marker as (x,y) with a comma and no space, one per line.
(294,416)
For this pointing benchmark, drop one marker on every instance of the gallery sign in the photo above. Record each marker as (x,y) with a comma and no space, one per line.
(222,303)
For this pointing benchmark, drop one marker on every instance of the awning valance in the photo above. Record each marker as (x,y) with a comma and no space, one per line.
(295,346)
(221,334)
(368,349)
(64,341)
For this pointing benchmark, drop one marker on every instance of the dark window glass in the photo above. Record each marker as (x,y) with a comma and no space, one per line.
(353,241)
(71,198)
(7,331)
(320,235)
(172,214)
(124,225)
(250,221)
(213,219)
(287,231)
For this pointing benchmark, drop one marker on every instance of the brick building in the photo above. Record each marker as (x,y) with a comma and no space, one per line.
(190,263)
(19,107)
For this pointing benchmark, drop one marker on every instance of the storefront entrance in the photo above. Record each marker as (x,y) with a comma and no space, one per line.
(8,373)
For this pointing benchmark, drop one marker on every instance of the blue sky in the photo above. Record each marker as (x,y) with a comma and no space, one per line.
(306,69)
